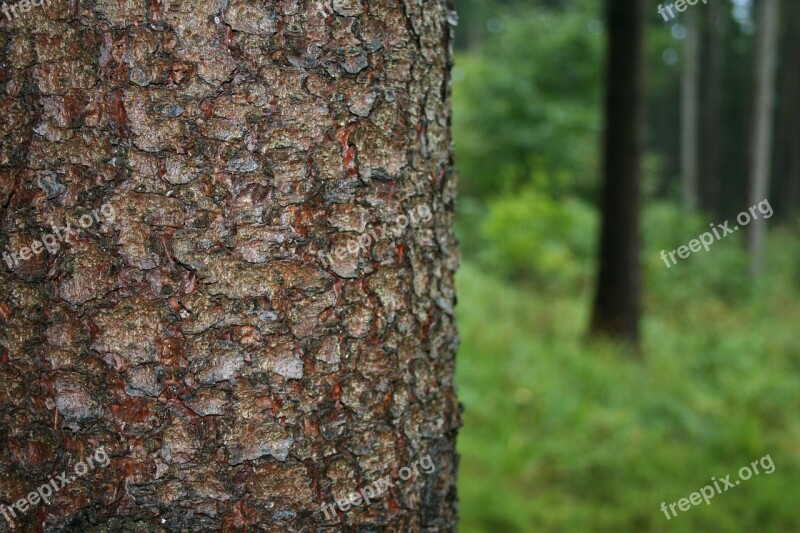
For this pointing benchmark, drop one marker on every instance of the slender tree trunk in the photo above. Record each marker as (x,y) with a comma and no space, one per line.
(766,58)
(617,306)
(710,114)
(690,98)
(205,329)
(788,141)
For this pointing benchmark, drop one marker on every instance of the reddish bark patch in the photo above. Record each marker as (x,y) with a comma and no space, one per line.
(116,107)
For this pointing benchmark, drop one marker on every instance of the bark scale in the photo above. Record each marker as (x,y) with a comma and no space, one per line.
(236,381)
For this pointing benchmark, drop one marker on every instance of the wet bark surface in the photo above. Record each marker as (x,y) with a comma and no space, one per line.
(191,330)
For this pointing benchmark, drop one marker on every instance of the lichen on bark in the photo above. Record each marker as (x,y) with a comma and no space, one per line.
(237,382)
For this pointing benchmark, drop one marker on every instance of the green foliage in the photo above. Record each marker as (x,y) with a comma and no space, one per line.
(528,105)
(532,238)
(721,271)
(561,435)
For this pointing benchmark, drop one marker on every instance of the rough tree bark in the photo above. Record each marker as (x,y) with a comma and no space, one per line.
(617,297)
(237,376)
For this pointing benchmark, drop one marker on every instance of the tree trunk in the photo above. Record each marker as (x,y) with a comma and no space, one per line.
(766,57)
(690,98)
(617,306)
(204,328)
(710,113)
(788,141)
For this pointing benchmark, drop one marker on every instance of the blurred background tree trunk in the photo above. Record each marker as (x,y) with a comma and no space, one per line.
(711,74)
(690,106)
(763,121)
(236,382)
(788,141)
(617,298)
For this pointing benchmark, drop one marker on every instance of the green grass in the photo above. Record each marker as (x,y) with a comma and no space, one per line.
(561,434)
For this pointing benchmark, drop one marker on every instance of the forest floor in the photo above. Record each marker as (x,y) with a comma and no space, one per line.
(562,435)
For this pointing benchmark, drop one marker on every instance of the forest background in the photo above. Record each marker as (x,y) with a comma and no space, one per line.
(566,434)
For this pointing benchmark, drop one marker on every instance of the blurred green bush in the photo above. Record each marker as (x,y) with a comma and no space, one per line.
(527,108)
(531,238)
